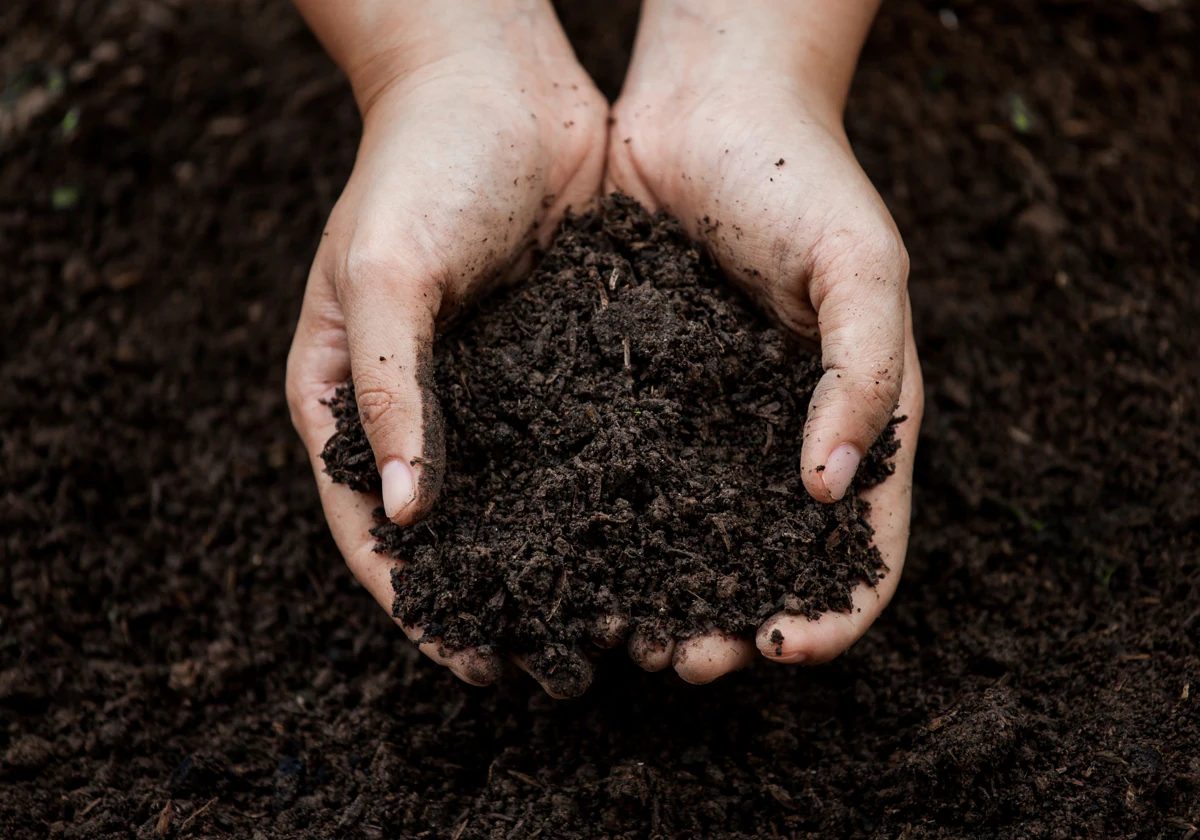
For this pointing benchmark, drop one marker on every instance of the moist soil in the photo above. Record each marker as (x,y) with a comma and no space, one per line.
(623,438)
(183,653)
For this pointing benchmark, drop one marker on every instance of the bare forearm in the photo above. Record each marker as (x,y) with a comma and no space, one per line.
(374,40)
(819,39)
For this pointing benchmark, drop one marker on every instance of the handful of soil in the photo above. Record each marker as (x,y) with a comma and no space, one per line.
(623,439)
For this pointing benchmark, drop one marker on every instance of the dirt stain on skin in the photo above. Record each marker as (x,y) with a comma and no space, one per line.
(482,670)
(777,640)
(432,460)
(564,671)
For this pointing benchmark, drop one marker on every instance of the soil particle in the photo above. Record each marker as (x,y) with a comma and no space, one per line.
(605,427)
(777,641)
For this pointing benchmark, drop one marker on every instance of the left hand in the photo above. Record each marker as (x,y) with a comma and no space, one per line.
(480,129)
(731,121)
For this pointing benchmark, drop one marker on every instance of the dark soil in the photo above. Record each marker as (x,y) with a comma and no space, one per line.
(623,439)
(181,646)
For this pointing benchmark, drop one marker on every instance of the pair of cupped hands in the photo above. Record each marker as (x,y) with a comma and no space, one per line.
(480,130)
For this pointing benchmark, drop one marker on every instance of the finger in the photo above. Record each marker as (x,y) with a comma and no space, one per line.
(648,651)
(318,364)
(564,673)
(469,665)
(860,298)
(390,310)
(608,631)
(794,639)
(702,659)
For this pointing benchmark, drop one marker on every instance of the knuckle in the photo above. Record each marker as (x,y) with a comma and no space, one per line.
(370,264)
(380,403)
(876,253)
(882,396)
(883,252)
(884,393)
(903,262)
(879,387)
(887,250)
(878,394)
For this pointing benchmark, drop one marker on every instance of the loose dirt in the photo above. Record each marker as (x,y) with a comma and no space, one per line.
(623,440)
(181,646)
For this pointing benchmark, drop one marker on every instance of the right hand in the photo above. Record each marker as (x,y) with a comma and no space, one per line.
(731,121)
(468,159)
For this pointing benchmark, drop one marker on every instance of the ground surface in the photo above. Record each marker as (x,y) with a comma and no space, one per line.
(180,647)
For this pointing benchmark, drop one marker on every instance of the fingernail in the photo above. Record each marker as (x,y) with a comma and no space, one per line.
(839,470)
(773,647)
(399,487)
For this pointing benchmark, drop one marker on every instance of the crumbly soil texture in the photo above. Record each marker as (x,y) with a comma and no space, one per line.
(183,653)
(623,440)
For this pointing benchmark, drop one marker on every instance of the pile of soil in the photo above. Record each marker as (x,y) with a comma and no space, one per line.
(623,439)
(183,653)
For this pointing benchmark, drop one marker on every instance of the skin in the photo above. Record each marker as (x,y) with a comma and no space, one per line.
(479,130)
(730,119)
(732,113)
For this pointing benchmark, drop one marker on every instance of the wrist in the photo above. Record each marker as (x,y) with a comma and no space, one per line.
(812,47)
(378,43)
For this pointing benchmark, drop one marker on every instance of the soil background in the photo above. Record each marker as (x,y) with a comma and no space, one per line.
(183,654)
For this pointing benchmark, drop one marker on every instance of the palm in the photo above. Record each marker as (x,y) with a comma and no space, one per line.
(459,173)
(780,202)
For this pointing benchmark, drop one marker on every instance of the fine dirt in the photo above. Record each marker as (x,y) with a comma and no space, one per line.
(183,654)
(622,437)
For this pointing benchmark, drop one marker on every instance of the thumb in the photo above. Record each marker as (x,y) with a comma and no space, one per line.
(861,314)
(390,330)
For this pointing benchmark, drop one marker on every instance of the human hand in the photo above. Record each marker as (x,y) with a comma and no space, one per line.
(479,131)
(730,119)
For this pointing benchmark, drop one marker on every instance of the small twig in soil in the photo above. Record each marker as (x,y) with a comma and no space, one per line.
(572,335)
(96,802)
(562,590)
(527,779)
(195,814)
(461,828)
(770,439)
(626,347)
(720,523)
(164,820)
